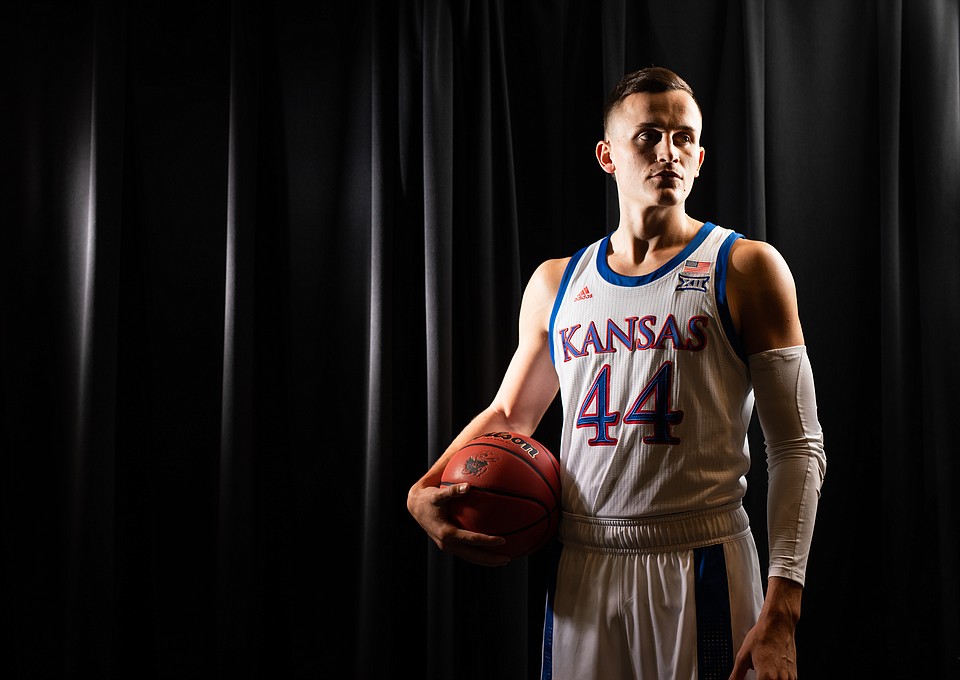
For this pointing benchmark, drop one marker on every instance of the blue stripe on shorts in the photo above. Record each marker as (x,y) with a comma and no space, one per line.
(714,636)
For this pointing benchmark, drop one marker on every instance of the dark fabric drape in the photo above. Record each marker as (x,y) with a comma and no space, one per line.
(261,261)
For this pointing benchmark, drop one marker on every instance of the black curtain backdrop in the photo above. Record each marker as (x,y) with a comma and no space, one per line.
(261,261)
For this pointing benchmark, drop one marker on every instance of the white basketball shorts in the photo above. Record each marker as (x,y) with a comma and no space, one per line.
(667,597)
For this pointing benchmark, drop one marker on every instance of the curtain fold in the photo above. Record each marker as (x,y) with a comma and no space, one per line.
(931,109)
(895,342)
(754,45)
(262,261)
(235,540)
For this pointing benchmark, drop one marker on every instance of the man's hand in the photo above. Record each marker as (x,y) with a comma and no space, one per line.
(770,646)
(428,505)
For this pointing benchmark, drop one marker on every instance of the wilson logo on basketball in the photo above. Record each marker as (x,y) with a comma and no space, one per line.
(530,449)
(583,295)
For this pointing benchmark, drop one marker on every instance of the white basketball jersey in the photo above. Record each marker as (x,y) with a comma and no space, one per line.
(656,394)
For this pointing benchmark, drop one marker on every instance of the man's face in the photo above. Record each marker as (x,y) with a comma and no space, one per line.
(653,147)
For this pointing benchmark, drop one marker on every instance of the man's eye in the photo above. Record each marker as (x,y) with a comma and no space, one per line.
(684,139)
(650,136)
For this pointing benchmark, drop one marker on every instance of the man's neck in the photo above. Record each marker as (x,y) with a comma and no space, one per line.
(642,244)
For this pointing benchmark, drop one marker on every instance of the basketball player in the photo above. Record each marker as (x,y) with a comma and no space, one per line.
(661,338)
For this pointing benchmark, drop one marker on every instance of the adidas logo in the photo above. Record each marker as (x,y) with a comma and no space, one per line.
(583,294)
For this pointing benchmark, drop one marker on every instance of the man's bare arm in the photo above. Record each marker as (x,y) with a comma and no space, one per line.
(528,388)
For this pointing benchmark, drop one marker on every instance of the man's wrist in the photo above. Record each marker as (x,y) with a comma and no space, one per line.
(783,600)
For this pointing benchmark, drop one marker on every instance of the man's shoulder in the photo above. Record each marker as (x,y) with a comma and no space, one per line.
(755,262)
(548,275)
(748,254)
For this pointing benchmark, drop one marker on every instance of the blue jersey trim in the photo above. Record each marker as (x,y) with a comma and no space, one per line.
(564,282)
(720,289)
(628,281)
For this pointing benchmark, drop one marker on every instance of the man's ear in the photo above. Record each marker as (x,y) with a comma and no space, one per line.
(603,157)
(702,151)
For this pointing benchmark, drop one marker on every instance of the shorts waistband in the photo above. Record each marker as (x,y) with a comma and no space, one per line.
(661,533)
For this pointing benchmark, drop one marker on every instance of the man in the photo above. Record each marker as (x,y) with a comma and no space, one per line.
(660,337)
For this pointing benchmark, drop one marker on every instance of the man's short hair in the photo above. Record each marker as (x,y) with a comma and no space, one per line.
(651,79)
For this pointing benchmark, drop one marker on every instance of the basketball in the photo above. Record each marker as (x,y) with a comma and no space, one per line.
(514,491)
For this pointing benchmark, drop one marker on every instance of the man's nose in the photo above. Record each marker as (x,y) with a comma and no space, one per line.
(667,151)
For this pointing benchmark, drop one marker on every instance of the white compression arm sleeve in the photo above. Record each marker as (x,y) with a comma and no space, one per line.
(796,464)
